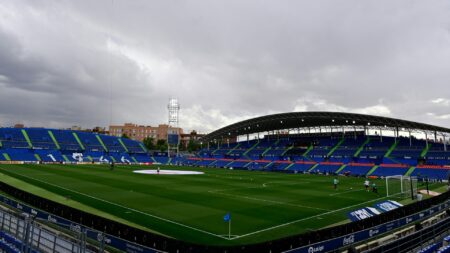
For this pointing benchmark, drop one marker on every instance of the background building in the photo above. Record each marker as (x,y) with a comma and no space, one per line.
(140,132)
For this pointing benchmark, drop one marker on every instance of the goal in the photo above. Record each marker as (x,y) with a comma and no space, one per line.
(401,186)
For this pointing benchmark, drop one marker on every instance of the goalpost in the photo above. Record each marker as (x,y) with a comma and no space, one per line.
(401,186)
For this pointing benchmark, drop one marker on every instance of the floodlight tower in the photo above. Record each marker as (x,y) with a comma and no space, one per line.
(173,140)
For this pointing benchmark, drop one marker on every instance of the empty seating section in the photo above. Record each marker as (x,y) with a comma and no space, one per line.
(40,138)
(66,140)
(133,146)
(13,138)
(348,147)
(377,147)
(51,145)
(432,172)
(301,166)
(356,169)
(321,147)
(90,141)
(408,148)
(390,170)
(327,167)
(316,153)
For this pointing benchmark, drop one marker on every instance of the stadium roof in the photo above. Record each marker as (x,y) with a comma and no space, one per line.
(295,120)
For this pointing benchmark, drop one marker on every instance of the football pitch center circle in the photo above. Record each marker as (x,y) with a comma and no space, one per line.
(168,172)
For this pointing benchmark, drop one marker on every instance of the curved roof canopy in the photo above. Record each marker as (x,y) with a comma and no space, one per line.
(294,120)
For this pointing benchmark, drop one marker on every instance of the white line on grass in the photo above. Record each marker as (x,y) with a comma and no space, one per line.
(268,201)
(131,209)
(344,192)
(299,220)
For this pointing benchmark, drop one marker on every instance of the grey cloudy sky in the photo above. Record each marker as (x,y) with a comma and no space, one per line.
(63,62)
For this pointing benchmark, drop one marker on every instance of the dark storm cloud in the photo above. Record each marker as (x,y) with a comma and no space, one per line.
(68,63)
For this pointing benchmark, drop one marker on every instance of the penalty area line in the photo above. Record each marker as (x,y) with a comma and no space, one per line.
(127,208)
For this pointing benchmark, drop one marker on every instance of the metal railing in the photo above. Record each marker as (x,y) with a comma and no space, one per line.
(36,237)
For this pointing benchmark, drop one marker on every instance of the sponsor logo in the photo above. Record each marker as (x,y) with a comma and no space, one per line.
(373,232)
(51,219)
(75,228)
(19,206)
(34,212)
(348,240)
(408,220)
(316,249)
(78,156)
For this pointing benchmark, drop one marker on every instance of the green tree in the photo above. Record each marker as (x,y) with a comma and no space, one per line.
(193,146)
(149,143)
(125,136)
(161,145)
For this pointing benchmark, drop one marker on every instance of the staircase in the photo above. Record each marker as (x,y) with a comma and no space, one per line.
(251,148)
(102,143)
(75,135)
(372,170)
(229,152)
(113,159)
(291,147)
(143,147)
(37,157)
(25,134)
(361,148)
(335,147)
(290,165)
(65,158)
(134,159)
(425,151)
(6,156)
(265,151)
(341,168)
(123,145)
(313,167)
(410,171)
(50,133)
(388,153)
(308,150)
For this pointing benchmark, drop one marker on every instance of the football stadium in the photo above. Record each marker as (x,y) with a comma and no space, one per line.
(224,126)
(291,182)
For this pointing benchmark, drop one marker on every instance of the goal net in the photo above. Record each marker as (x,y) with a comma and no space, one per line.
(401,186)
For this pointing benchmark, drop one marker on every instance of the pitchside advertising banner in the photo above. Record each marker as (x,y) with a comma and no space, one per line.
(368,233)
(367,212)
(108,240)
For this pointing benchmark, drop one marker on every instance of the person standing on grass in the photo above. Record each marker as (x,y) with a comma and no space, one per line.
(157,170)
(335,183)
(367,184)
(375,188)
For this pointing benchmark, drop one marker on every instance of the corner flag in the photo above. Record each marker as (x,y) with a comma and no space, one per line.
(227,217)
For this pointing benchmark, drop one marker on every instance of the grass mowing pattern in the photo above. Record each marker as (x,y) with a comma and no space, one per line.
(264,205)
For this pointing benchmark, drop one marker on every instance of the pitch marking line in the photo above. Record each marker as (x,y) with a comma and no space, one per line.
(131,209)
(307,218)
(344,192)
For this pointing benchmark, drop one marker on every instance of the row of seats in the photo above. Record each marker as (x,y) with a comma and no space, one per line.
(439,247)
(66,140)
(11,244)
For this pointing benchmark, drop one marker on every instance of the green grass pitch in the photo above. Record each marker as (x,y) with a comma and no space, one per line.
(263,205)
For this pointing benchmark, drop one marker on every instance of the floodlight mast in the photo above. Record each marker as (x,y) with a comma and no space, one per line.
(174,109)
